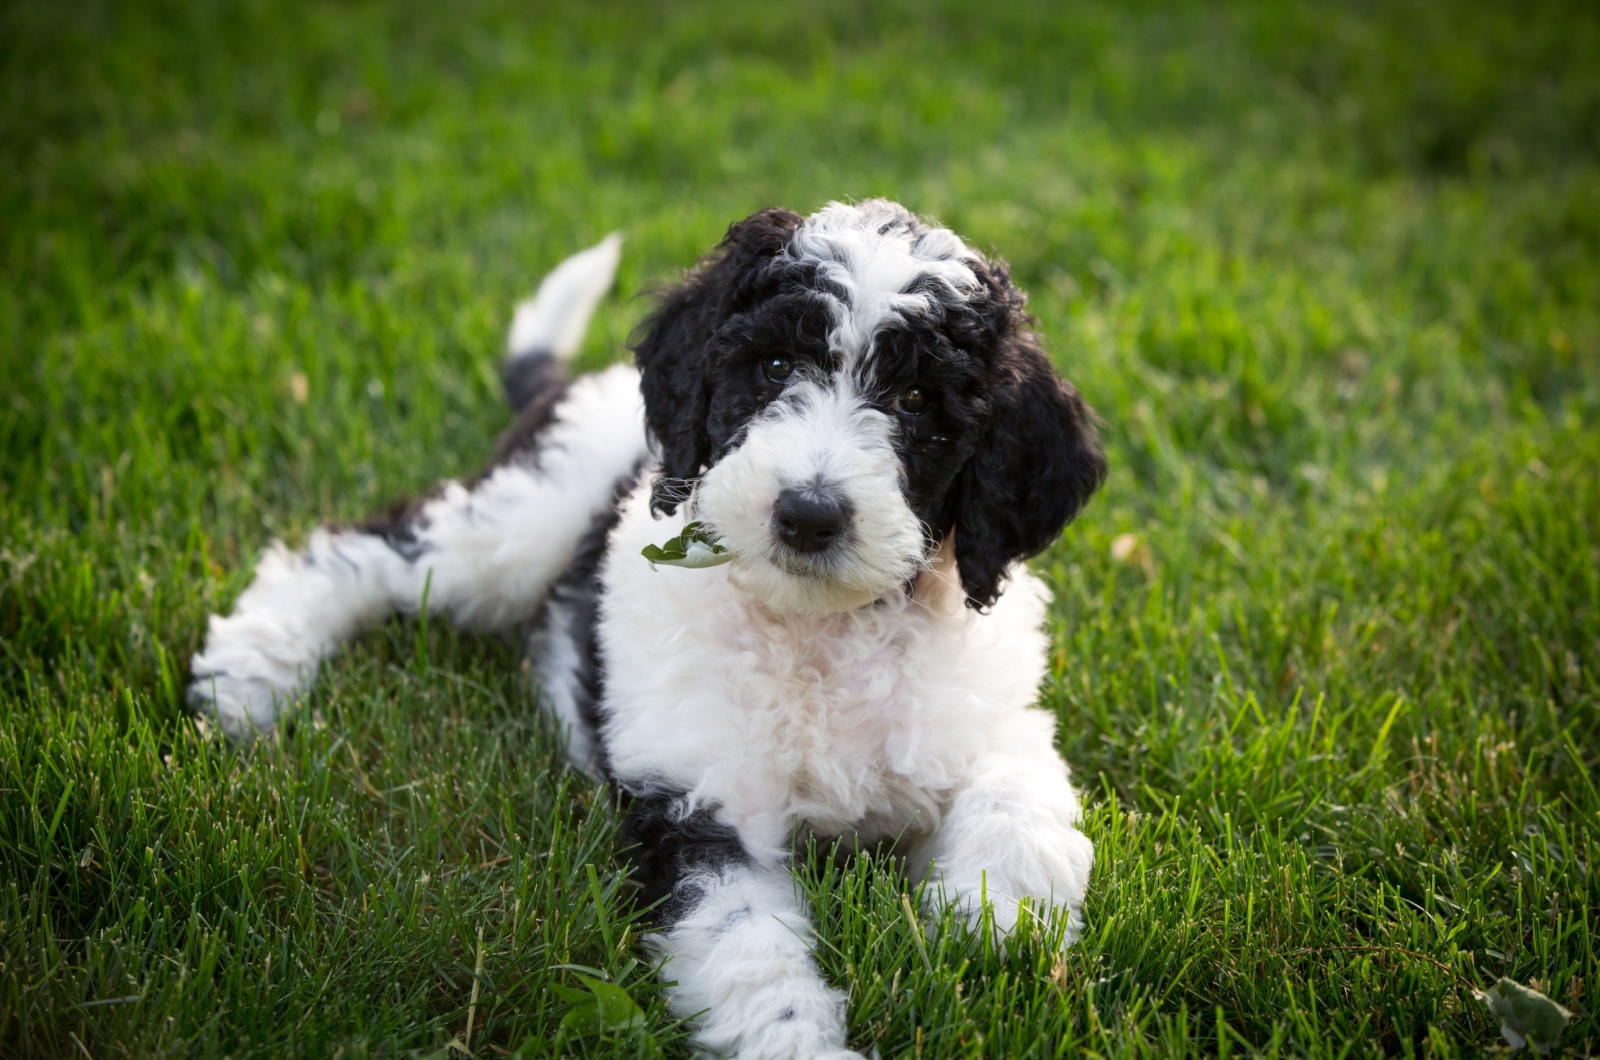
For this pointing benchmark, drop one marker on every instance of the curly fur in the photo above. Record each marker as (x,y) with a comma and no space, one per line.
(870,673)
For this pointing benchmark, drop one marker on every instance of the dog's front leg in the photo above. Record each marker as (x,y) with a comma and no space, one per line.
(734,940)
(1011,835)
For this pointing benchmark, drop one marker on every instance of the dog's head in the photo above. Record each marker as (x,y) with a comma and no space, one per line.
(834,395)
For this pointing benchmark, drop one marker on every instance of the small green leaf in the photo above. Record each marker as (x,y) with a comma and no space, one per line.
(617,1010)
(583,1020)
(571,994)
(693,547)
(1527,1017)
(606,1007)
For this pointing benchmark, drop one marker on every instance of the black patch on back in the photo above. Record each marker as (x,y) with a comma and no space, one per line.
(529,376)
(536,384)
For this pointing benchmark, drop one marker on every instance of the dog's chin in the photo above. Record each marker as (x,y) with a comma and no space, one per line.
(807,589)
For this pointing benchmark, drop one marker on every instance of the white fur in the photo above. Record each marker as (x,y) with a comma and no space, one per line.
(296,610)
(777,691)
(553,651)
(865,721)
(485,558)
(1010,836)
(909,718)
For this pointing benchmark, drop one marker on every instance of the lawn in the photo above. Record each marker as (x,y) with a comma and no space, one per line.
(1327,645)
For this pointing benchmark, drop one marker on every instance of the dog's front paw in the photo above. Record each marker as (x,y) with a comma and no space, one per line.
(1006,874)
(1004,918)
(1047,906)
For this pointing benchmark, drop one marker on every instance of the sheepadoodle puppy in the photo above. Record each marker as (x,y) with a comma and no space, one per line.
(854,410)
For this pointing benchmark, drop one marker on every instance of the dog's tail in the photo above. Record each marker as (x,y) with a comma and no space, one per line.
(548,327)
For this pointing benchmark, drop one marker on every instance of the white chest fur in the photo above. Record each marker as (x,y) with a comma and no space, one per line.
(862,722)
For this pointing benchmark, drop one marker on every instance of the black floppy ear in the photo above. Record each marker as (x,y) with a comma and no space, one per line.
(1033,470)
(672,345)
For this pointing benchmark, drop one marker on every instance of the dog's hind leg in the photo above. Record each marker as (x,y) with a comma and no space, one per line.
(482,554)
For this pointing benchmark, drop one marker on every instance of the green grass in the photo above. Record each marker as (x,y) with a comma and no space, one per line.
(1330,274)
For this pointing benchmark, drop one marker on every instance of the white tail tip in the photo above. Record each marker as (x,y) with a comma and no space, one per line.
(554,319)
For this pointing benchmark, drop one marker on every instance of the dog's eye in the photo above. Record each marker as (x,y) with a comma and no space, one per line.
(914,402)
(778,369)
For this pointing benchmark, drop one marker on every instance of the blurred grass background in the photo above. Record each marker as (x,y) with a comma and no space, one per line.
(1328,643)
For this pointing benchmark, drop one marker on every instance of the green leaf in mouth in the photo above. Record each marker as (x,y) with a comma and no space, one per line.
(694,547)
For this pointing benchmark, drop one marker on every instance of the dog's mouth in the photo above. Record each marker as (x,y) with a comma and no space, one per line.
(813,568)
(825,582)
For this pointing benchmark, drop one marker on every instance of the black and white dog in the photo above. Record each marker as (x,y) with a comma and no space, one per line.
(854,405)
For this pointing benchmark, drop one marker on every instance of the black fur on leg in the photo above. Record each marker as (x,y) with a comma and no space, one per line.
(397,524)
(670,841)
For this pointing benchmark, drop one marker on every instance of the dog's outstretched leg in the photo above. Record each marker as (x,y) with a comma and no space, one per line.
(1011,834)
(482,554)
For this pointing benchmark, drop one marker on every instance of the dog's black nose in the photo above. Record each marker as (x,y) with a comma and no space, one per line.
(808,519)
